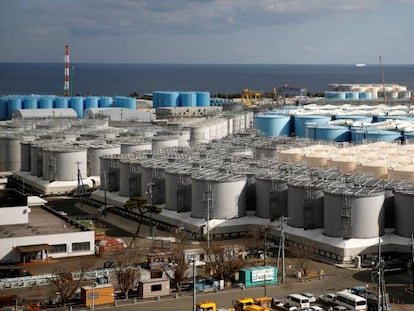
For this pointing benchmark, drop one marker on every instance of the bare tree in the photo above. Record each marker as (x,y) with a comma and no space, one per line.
(224,260)
(141,205)
(126,273)
(176,269)
(67,278)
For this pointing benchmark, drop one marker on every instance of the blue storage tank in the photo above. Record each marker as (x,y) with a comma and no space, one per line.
(328,132)
(217,102)
(3,107)
(13,104)
(61,102)
(332,95)
(105,102)
(30,102)
(273,124)
(408,136)
(203,99)
(156,99)
(373,135)
(352,95)
(301,120)
(130,103)
(46,102)
(76,103)
(119,101)
(188,99)
(365,95)
(363,119)
(91,102)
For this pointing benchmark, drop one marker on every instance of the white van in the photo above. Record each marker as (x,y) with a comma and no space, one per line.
(297,300)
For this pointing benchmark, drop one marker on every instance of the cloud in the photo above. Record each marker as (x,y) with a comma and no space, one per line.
(135,17)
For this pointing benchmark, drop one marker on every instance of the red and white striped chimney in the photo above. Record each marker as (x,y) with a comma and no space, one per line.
(66,87)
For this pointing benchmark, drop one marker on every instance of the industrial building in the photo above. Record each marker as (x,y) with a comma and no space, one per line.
(342,175)
(29,231)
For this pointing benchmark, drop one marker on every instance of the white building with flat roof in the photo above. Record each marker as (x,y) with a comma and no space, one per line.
(35,233)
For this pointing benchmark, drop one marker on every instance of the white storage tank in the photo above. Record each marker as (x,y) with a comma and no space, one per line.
(228,195)
(178,187)
(162,142)
(66,163)
(95,151)
(353,213)
(199,134)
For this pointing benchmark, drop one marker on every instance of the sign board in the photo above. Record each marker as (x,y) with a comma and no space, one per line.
(262,275)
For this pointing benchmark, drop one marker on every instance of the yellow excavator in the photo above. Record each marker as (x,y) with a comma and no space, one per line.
(250,97)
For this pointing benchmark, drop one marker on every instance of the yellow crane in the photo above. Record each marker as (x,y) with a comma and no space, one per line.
(250,97)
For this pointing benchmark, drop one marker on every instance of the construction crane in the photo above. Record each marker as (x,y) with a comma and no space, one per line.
(250,97)
(288,90)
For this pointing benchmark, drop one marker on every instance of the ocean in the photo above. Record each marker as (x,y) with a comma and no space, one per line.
(124,79)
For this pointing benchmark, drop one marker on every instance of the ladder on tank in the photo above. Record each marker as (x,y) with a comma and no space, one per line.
(346,216)
(307,207)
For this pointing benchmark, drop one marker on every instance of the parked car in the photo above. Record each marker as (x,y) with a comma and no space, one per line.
(276,302)
(310,296)
(329,299)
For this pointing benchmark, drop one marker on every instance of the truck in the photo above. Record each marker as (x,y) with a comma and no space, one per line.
(265,302)
(242,303)
(210,306)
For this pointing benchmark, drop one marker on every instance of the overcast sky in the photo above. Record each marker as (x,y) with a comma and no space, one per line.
(208,31)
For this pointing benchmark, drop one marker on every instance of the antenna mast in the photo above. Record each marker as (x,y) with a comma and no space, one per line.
(66,88)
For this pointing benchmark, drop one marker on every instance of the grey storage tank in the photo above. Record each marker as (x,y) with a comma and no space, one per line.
(110,171)
(271,196)
(25,155)
(95,151)
(10,153)
(132,146)
(130,176)
(404,220)
(305,204)
(36,160)
(153,180)
(353,212)
(227,193)
(178,187)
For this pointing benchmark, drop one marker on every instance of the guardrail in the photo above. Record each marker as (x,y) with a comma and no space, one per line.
(44,279)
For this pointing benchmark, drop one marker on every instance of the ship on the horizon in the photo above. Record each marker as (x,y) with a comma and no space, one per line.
(359,65)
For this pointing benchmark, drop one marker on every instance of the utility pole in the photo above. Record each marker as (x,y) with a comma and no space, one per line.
(283,220)
(412,259)
(149,192)
(208,198)
(264,257)
(194,285)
